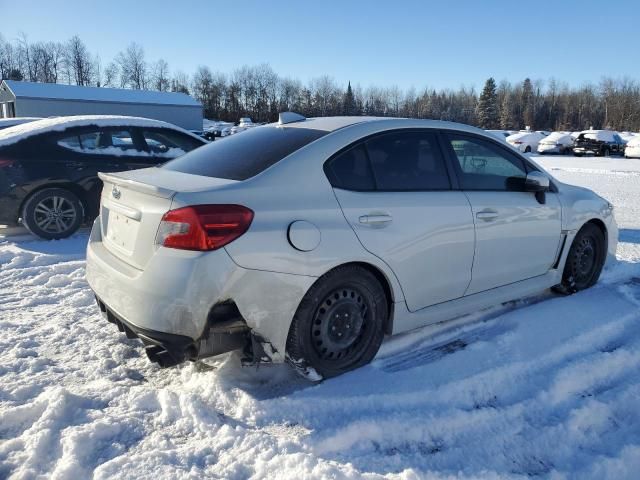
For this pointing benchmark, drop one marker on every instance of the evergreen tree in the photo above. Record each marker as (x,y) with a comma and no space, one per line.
(349,103)
(528,112)
(488,105)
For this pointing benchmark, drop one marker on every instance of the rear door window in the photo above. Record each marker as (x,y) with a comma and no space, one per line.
(400,161)
(245,154)
(351,170)
(407,161)
(103,142)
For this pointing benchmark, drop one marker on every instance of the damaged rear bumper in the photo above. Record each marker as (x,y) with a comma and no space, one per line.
(169,349)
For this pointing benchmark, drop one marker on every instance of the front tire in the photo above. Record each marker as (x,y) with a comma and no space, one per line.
(53,213)
(585,260)
(339,324)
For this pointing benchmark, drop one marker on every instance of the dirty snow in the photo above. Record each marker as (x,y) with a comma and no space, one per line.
(546,386)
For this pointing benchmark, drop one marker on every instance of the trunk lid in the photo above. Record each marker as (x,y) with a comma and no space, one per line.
(132,205)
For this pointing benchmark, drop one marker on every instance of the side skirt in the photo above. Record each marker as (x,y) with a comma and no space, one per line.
(404,320)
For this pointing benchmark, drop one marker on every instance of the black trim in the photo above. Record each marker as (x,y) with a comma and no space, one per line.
(165,349)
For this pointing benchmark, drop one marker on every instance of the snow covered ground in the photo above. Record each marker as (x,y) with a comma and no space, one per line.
(546,386)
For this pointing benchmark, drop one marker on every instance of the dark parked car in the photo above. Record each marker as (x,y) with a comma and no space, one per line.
(598,142)
(49,168)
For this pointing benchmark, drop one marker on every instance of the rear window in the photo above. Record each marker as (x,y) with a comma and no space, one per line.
(244,154)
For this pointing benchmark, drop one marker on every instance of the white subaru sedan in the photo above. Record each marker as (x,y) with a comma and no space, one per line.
(309,240)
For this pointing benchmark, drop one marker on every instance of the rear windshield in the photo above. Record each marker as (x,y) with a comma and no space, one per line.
(244,154)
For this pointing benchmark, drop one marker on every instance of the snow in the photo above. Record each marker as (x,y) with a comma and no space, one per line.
(545,386)
(557,137)
(10,122)
(59,91)
(11,135)
(172,152)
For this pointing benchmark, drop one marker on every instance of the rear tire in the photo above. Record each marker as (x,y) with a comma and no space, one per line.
(339,324)
(53,213)
(585,260)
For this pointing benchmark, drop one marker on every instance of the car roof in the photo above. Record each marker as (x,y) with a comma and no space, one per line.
(11,135)
(330,124)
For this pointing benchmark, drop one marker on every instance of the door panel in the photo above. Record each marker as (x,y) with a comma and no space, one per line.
(516,237)
(427,238)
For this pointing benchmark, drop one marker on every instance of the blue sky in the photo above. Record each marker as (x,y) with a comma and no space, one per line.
(442,44)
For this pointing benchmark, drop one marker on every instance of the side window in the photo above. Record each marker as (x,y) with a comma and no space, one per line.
(351,170)
(105,142)
(168,144)
(484,166)
(72,143)
(407,161)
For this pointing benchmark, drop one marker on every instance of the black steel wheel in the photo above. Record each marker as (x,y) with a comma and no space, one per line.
(339,324)
(585,260)
(52,213)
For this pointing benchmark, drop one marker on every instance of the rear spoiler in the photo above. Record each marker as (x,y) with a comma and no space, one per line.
(137,186)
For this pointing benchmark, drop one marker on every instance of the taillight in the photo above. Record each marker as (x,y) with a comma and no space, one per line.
(203,227)
(5,162)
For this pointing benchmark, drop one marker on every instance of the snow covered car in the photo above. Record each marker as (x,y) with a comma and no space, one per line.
(632,149)
(525,141)
(308,240)
(601,143)
(49,168)
(13,121)
(556,142)
(502,134)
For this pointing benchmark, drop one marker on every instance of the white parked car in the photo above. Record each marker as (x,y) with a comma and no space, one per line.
(556,142)
(309,240)
(502,134)
(627,136)
(525,141)
(632,149)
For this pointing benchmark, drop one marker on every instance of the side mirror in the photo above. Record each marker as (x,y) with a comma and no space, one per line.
(536,182)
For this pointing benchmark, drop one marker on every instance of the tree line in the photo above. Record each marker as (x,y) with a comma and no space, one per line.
(260,93)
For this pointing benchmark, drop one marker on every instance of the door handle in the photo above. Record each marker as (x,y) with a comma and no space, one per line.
(375,219)
(487,215)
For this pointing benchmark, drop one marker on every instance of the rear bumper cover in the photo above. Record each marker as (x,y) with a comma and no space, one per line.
(171,300)
(165,349)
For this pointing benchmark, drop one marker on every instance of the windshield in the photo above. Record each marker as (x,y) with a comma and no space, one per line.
(245,154)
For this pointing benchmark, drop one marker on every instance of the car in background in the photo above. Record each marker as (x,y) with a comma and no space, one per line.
(556,142)
(396,224)
(49,168)
(13,121)
(632,149)
(502,134)
(627,136)
(601,143)
(525,141)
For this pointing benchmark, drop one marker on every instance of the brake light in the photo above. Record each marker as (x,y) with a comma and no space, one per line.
(203,227)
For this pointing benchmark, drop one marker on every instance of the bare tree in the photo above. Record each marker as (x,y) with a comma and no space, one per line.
(81,65)
(160,76)
(133,68)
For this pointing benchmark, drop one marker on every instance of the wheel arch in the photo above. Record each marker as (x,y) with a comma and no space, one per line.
(72,187)
(603,228)
(385,283)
